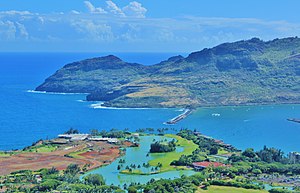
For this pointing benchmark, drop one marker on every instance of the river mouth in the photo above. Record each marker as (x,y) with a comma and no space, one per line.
(138,156)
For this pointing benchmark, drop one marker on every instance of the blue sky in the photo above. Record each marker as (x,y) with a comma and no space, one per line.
(141,25)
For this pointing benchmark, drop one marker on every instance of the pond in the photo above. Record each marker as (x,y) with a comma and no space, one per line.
(138,156)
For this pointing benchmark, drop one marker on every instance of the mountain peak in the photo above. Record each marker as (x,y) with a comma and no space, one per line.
(243,72)
(111,58)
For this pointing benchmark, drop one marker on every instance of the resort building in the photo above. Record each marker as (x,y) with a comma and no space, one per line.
(74,137)
(109,140)
(113,140)
(135,135)
(98,138)
(198,166)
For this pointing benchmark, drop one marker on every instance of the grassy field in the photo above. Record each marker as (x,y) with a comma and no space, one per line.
(224,189)
(42,149)
(165,160)
(222,151)
(77,154)
(3,154)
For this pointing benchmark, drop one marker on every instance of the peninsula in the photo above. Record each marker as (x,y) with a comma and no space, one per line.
(241,73)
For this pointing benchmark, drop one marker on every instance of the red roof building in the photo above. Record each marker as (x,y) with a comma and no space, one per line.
(202,165)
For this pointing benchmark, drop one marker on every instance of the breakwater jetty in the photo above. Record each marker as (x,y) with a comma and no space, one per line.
(294,120)
(180,117)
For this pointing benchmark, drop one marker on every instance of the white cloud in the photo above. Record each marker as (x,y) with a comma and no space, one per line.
(22,30)
(7,30)
(114,9)
(14,12)
(75,12)
(41,19)
(129,27)
(93,31)
(93,9)
(135,9)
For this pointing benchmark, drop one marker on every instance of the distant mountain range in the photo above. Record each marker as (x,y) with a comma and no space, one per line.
(239,73)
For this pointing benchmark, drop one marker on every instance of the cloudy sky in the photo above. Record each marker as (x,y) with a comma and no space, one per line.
(141,25)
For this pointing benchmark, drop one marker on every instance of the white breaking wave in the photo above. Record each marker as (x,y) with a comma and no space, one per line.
(100,106)
(56,93)
(181,110)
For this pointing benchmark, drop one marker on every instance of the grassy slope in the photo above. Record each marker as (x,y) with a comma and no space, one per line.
(3,154)
(188,146)
(223,189)
(42,149)
(77,154)
(35,149)
(238,73)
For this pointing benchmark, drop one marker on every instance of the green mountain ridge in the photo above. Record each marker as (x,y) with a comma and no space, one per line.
(240,73)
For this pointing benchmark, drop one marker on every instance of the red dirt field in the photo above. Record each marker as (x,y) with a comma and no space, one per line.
(94,154)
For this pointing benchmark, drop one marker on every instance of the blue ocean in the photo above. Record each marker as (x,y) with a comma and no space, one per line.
(26,116)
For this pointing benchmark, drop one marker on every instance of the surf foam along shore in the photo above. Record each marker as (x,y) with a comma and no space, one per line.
(55,93)
(100,106)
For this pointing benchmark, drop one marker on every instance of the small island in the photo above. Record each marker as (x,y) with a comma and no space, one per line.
(163,146)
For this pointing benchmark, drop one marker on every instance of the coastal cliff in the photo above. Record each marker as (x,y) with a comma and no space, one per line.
(239,73)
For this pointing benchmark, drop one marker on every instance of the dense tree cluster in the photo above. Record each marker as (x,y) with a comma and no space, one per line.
(113,133)
(205,144)
(52,180)
(268,155)
(187,160)
(161,146)
(72,131)
(184,184)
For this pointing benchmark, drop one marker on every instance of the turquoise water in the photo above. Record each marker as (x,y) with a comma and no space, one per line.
(137,156)
(250,126)
(26,117)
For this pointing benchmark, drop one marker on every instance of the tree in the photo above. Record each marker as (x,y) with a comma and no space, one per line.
(72,169)
(213,150)
(94,132)
(72,131)
(249,153)
(49,184)
(94,179)
(159,147)
(256,171)
(52,170)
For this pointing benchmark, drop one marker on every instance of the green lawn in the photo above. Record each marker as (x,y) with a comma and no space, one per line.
(222,151)
(3,154)
(42,148)
(224,189)
(165,160)
(76,154)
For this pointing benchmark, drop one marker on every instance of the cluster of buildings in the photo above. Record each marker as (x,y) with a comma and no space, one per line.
(74,137)
(107,139)
(82,137)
